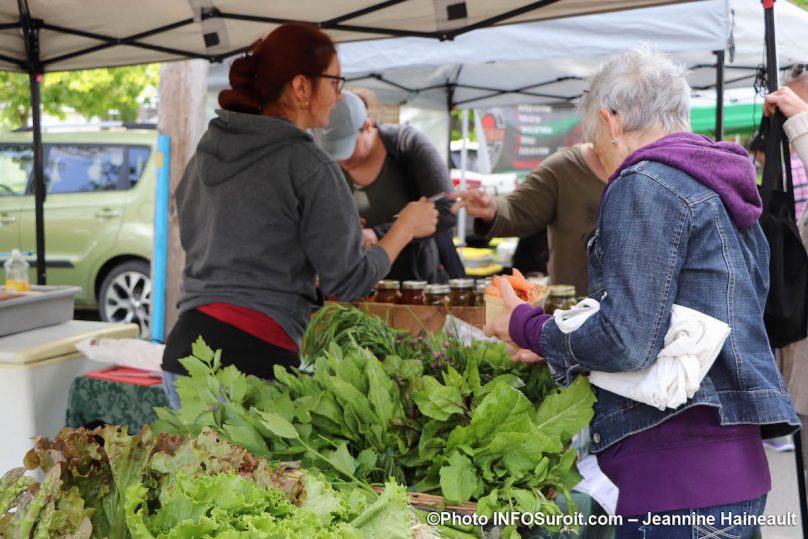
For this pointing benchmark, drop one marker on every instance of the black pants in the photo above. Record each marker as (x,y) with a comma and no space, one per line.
(248,353)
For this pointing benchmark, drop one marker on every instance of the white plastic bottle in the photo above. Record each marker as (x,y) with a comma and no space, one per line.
(16,273)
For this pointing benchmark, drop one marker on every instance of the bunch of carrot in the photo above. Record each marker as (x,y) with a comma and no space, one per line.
(524,289)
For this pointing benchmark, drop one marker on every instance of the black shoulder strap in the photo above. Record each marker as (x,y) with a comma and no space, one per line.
(777,156)
(789,180)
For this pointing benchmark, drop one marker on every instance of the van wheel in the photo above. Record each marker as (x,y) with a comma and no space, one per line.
(125,295)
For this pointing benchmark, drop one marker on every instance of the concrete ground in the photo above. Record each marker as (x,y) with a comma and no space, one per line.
(783,498)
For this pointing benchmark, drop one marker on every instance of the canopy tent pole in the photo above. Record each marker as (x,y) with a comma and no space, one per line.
(30,30)
(772,83)
(464,153)
(719,95)
(771,45)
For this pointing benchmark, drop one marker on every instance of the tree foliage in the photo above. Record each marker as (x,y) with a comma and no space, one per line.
(114,93)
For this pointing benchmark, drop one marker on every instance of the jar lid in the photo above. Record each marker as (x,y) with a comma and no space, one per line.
(461,283)
(562,290)
(388,285)
(437,289)
(480,286)
(413,285)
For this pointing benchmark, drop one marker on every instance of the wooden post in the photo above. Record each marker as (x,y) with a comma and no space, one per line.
(181,115)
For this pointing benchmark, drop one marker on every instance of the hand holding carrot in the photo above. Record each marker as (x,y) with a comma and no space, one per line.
(499,326)
(514,289)
(524,289)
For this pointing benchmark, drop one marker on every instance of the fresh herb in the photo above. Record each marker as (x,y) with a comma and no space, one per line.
(462,422)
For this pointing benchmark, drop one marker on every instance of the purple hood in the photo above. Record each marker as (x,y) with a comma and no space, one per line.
(723,167)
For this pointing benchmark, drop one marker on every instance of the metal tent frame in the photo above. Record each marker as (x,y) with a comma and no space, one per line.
(450,20)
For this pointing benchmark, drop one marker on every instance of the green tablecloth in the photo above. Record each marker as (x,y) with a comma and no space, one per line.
(114,403)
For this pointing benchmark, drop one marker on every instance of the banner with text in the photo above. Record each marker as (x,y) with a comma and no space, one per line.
(520,137)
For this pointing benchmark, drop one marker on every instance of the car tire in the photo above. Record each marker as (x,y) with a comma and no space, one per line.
(125,295)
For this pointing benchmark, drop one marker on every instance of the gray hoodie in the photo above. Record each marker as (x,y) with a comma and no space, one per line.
(262,211)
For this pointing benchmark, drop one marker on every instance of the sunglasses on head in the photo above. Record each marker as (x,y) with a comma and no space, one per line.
(798,70)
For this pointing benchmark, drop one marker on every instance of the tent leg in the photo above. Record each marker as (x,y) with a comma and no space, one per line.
(801,481)
(771,45)
(771,83)
(160,259)
(461,215)
(30,29)
(719,95)
(39,183)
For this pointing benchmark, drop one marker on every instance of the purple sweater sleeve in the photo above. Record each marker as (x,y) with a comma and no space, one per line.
(526,325)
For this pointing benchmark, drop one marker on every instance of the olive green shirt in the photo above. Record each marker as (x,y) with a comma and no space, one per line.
(563,195)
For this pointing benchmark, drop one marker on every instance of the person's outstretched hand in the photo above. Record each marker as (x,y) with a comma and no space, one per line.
(477,203)
(420,218)
(789,103)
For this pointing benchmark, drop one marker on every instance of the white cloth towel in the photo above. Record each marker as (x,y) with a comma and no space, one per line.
(692,344)
(132,353)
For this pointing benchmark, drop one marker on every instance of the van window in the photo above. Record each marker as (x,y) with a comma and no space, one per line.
(16,163)
(83,168)
(138,157)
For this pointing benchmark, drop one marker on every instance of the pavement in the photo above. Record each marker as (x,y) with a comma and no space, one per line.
(783,498)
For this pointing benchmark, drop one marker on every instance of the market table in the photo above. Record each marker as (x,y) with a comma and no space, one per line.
(115,403)
(92,401)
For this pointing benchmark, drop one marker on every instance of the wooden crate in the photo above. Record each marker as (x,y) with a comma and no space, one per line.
(415,318)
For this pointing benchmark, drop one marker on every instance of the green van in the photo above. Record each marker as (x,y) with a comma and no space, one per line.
(99,214)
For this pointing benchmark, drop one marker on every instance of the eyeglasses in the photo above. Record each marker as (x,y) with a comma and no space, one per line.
(798,70)
(337,81)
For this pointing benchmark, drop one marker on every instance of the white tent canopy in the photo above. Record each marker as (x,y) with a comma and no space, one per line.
(79,34)
(52,35)
(550,60)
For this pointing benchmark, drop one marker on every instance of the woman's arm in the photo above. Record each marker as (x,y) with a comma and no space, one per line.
(643,236)
(796,128)
(332,238)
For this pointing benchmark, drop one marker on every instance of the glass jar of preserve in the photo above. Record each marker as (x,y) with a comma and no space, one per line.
(412,292)
(479,294)
(561,296)
(387,291)
(461,292)
(437,295)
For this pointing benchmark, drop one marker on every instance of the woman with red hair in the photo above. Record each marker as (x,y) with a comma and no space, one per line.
(264,212)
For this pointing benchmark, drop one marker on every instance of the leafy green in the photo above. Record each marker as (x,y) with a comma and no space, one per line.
(12,484)
(438,401)
(460,421)
(278,425)
(346,326)
(160,486)
(564,410)
(459,480)
(386,517)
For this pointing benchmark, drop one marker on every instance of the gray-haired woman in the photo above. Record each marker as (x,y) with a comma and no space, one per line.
(677,225)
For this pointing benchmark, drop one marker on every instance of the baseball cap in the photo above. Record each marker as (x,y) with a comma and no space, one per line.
(338,138)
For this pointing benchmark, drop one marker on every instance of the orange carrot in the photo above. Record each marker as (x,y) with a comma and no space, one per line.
(523,288)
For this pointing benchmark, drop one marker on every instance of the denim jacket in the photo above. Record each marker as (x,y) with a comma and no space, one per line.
(665,238)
